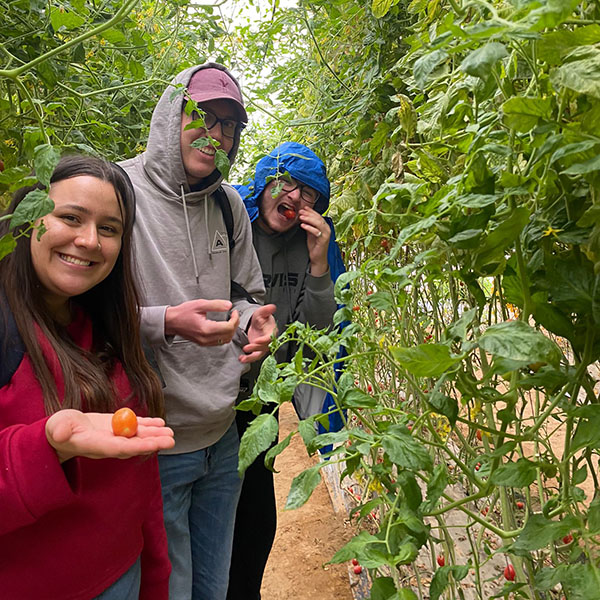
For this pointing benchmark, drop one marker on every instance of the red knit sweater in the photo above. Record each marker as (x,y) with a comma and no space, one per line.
(68,532)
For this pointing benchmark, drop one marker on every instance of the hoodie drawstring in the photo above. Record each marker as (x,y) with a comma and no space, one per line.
(189,234)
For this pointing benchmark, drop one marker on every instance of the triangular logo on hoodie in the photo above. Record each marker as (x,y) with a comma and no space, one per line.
(219,243)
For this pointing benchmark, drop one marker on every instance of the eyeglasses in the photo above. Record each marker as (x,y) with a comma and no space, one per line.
(229,127)
(308,194)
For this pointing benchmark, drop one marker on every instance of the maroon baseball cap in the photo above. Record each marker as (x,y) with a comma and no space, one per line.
(214,84)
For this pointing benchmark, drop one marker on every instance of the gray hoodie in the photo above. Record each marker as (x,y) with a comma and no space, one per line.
(183,254)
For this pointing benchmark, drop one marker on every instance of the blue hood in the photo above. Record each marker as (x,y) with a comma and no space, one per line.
(296,159)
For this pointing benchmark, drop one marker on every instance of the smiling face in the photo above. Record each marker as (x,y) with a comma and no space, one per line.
(82,241)
(199,163)
(280,213)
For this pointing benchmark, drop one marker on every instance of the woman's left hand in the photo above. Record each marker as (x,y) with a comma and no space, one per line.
(74,433)
(317,239)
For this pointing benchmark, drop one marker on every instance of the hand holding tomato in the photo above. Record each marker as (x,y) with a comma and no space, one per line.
(317,239)
(73,433)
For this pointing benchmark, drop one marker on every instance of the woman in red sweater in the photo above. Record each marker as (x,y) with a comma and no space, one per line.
(76,521)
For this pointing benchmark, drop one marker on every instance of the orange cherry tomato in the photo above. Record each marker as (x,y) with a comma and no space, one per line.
(124,422)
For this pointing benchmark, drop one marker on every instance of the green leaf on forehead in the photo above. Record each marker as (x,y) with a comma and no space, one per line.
(7,244)
(36,204)
(222,163)
(45,159)
(276,190)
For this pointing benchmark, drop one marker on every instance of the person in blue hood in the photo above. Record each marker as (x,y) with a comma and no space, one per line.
(300,261)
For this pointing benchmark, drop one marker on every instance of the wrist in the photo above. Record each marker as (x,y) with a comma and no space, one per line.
(318,269)
(170,319)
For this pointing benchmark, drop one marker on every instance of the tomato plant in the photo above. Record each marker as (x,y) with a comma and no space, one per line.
(466,199)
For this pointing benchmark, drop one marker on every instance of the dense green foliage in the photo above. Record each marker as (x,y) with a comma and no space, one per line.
(462,140)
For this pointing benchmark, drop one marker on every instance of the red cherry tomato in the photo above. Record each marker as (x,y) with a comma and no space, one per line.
(357,569)
(355,561)
(288,213)
(478,434)
(441,560)
(124,422)
(520,505)
(509,573)
(567,539)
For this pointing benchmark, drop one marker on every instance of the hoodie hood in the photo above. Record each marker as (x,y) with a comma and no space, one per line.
(299,162)
(162,159)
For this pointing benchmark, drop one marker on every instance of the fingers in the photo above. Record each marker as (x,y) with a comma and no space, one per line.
(252,357)
(312,222)
(263,313)
(217,333)
(204,306)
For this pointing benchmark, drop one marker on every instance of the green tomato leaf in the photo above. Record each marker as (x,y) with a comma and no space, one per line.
(440,579)
(275,451)
(59,17)
(517,341)
(425,65)
(261,433)
(404,451)
(201,142)
(435,488)
(355,398)
(589,166)
(502,237)
(222,163)
(540,532)
(515,474)
(45,159)
(307,431)
(7,244)
(356,547)
(380,8)
(425,360)
(524,113)
(582,76)
(35,205)
(481,61)
(594,516)
(303,486)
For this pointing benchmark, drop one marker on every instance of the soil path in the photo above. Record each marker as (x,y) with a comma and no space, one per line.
(307,537)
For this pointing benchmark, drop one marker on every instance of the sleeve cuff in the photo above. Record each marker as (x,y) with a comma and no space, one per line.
(153,325)
(319,284)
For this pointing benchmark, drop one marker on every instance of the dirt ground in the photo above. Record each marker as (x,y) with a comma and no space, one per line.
(307,537)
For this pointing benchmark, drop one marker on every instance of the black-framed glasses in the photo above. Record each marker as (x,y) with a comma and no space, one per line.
(308,194)
(229,127)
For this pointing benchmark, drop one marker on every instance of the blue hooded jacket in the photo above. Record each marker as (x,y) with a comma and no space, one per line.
(300,163)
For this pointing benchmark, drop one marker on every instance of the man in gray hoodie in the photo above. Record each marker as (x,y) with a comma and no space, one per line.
(202,338)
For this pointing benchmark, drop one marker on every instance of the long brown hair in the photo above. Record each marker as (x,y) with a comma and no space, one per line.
(112,305)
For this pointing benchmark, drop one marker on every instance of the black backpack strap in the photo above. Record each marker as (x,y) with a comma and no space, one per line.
(12,348)
(237,291)
(225,206)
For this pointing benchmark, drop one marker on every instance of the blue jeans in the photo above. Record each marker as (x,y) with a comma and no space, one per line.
(200,495)
(127,587)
